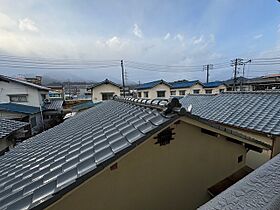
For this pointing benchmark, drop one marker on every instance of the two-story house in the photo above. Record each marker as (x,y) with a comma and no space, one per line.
(155,89)
(184,87)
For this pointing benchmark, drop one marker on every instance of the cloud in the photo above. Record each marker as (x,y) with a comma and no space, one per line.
(137,31)
(113,42)
(179,37)
(278,28)
(198,40)
(258,36)
(167,36)
(27,25)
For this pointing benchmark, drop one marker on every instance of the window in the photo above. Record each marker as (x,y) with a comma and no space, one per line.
(146,94)
(222,90)
(208,91)
(107,96)
(33,121)
(197,91)
(18,98)
(160,94)
(173,92)
(182,92)
(139,94)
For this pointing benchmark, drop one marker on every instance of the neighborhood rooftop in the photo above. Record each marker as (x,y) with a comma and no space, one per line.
(19,108)
(149,85)
(23,82)
(7,127)
(183,84)
(258,111)
(43,166)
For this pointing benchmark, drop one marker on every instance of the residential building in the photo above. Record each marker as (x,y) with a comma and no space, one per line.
(24,113)
(104,90)
(18,91)
(10,132)
(184,87)
(56,92)
(77,90)
(214,87)
(37,80)
(153,90)
(140,154)
(263,83)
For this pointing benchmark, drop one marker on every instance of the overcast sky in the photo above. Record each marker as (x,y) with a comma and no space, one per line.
(178,32)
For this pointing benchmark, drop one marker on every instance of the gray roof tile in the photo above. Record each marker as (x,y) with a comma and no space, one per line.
(259,111)
(9,126)
(49,161)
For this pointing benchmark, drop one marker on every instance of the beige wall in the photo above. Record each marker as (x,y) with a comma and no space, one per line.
(215,90)
(189,90)
(175,176)
(153,91)
(105,88)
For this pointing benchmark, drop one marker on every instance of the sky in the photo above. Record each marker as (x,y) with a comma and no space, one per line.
(179,32)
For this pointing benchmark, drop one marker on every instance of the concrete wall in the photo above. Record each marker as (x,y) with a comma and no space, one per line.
(12,88)
(153,91)
(175,176)
(105,88)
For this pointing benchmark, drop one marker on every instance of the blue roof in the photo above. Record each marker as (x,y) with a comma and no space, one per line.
(213,84)
(183,84)
(149,85)
(19,108)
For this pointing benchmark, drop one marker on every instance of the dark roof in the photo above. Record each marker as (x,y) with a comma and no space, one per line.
(213,84)
(184,84)
(150,85)
(105,82)
(84,106)
(23,82)
(239,80)
(19,108)
(45,166)
(7,127)
(258,111)
(258,190)
(54,104)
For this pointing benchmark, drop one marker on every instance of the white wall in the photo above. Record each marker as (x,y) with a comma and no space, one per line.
(12,88)
(105,88)
(153,91)
(189,90)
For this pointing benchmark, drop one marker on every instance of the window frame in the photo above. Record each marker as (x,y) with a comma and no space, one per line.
(22,98)
(146,94)
(182,91)
(161,91)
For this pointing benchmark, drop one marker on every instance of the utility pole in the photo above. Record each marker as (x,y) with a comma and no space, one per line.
(236,62)
(243,72)
(207,67)
(123,78)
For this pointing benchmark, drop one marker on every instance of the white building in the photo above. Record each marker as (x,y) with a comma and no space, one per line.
(156,89)
(22,100)
(184,87)
(214,87)
(104,90)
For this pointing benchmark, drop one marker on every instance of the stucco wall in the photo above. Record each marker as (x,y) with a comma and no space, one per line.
(175,176)
(153,91)
(105,88)
(189,90)
(13,88)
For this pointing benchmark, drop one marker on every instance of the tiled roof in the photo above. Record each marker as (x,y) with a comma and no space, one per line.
(9,126)
(45,164)
(213,84)
(183,84)
(150,85)
(54,104)
(19,108)
(6,78)
(106,81)
(258,111)
(85,105)
(259,190)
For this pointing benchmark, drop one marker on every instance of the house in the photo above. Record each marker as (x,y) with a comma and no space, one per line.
(10,132)
(153,90)
(77,90)
(139,154)
(214,87)
(104,90)
(56,92)
(22,92)
(24,113)
(184,87)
